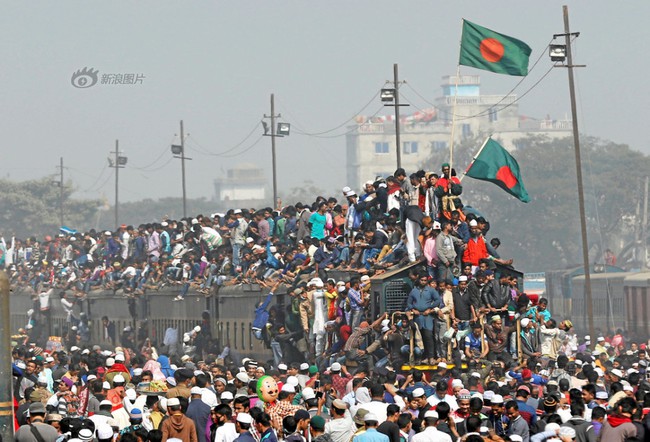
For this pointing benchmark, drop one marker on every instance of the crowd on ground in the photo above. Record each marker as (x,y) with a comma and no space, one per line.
(113,393)
(497,365)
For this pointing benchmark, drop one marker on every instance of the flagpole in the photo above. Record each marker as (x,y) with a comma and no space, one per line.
(453,125)
(475,157)
(453,111)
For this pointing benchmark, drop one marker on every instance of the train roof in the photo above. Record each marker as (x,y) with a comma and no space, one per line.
(577,270)
(392,273)
(610,275)
(639,279)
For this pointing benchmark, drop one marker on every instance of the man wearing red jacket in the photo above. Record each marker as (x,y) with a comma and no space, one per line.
(476,248)
(116,366)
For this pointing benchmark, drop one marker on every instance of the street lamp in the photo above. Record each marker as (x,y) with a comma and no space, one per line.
(284,129)
(557,52)
(388,95)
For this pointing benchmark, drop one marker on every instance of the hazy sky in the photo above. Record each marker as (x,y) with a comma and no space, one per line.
(214,65)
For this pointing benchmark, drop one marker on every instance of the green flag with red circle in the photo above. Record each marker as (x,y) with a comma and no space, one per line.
(496,165)
(482,48)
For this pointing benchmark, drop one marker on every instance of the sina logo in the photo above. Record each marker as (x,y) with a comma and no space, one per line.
(84,78)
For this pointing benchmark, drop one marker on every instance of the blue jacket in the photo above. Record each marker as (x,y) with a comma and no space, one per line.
(537,379)
(246,436)
(421,299)
(463,231)
(262,314)
(271,260)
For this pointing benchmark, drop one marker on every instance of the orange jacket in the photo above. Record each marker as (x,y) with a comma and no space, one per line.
(475,251)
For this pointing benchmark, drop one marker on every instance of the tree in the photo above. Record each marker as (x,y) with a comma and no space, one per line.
(306,194)
(31,208)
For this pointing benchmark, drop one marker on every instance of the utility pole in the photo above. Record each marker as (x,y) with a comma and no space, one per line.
(183,171)
(117,177)
(282,130)
(6,399)
(391,98)
(581,196)
(644,227)
(397,134)
(275,177)
(272,135)
(61,191)
(179,152)
(118,163)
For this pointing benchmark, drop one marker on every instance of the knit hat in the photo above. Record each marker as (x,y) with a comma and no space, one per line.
(317,423)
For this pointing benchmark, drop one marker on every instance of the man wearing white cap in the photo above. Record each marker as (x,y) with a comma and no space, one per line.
(320,315)
(241,382)
(178,425)
(303,375)
(199,412)
(530,341)
(243,425)
(600,345)
(431,433)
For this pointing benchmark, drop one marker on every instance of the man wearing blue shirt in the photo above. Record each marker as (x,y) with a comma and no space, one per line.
(421,302)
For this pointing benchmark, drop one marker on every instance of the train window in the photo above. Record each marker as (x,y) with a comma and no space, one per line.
(243,343)
(395,295)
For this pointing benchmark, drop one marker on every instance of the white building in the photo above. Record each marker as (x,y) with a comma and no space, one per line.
(244,185)
(371,141)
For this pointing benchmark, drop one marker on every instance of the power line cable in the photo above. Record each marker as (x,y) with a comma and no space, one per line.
(344,123)
(350,130)
(98,188)
(223,153)
(245,150)
(160,167)
(165,149)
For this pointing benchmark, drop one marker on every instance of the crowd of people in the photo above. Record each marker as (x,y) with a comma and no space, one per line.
(495,364)
(99,394)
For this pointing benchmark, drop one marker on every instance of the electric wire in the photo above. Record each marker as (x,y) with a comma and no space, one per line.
(97,178)
(225,152)
(345,122)
(100,187)
(316,142)
(165,149)
(255,143)
(160,167)
(353,129)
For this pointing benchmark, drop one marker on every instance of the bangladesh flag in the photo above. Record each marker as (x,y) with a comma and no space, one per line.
(483,48)
(494,164)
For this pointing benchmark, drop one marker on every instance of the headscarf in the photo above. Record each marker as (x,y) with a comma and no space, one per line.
(362,395)
(164,366)
(154,368)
